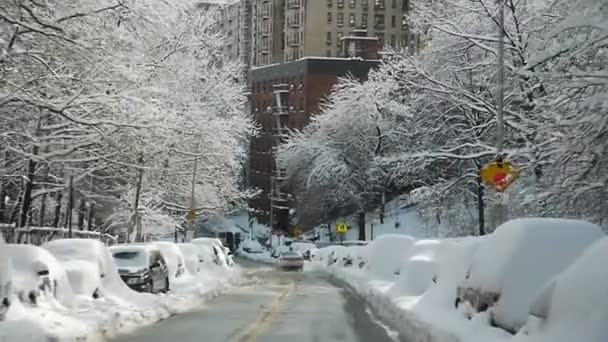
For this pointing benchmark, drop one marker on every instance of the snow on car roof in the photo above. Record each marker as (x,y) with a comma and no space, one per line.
(132,248)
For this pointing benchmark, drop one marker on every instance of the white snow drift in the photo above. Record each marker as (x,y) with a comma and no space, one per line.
(541,279)
(64,308)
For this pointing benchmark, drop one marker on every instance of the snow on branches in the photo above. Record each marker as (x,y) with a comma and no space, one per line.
(429,119)
(104,91)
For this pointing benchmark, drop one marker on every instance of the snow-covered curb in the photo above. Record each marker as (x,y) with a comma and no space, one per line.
(97,320)
(407,323)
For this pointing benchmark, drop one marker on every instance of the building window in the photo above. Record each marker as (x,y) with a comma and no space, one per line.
(340,3)
(393,3)
(393,40)
(379,21)
(379,4)
(364,4)
(380,38)
(351,19)
(329,18)
(330,3)
(328,53)
(364,20)
(352,3)
(328,37)
(339,38)
(340,19)
(405,6)
(393,21)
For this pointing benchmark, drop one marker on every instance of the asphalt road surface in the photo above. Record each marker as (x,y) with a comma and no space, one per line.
(275,307)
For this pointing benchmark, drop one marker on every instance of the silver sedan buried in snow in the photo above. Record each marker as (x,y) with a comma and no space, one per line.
(290,260)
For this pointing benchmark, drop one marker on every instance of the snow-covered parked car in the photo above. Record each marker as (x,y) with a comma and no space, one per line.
(34,273)
(574,305)
(511,265)
(303,247)
(193,258)
(85,262)
(217,248)
(5,280)
(386,255)
(142,267)
(173,256)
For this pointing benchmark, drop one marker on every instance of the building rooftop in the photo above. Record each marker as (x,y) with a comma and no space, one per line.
(313,65)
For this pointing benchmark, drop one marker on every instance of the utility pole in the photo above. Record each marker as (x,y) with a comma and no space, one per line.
(499,213)
(70,206)
(501,79)
(191,214)
(136,218)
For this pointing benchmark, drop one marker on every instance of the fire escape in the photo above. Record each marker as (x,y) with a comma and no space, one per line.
(279,202)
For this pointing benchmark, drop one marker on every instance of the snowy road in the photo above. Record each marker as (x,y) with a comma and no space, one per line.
(276,307)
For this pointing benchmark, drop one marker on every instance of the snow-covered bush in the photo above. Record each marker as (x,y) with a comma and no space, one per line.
(512,264)
(386,254)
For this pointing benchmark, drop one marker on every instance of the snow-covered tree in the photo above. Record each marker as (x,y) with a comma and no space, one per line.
(110,91)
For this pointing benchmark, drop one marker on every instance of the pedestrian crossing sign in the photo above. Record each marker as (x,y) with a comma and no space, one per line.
(342,228)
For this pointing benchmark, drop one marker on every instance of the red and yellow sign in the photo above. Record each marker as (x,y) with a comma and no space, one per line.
(499,175)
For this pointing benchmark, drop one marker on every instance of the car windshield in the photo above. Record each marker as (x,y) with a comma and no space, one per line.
(290,254)
(130,259)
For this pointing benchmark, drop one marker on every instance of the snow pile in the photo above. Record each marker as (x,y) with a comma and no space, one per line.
(550,268)
(252,246)
(577,302)
(418,270)
(70,317)
(386,254)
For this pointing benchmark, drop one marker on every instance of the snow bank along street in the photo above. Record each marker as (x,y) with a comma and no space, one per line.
(71,289)
(533,280)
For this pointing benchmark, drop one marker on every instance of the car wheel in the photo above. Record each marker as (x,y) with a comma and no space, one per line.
(166,288)
(149,287)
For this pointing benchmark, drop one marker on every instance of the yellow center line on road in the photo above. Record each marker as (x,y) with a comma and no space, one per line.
(253,330)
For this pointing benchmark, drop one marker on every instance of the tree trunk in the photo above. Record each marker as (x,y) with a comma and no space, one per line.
(27,191)
(26,203)
(82,207)
(480,206)
(15,210)
(361,222)
(58,209)
(2,200)
(70,208)
(91,216)
(42,213)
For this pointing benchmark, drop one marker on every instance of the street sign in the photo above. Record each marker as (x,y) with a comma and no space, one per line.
(499,175)
(191,216)
(342,228)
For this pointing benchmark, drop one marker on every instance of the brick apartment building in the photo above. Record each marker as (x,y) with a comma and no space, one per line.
(264,32)
(284,96)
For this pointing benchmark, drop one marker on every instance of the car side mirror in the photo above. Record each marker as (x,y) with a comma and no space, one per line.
(155,265)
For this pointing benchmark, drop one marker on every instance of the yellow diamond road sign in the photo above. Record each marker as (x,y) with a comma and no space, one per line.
(342,227)
(499,175)
(191,216)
